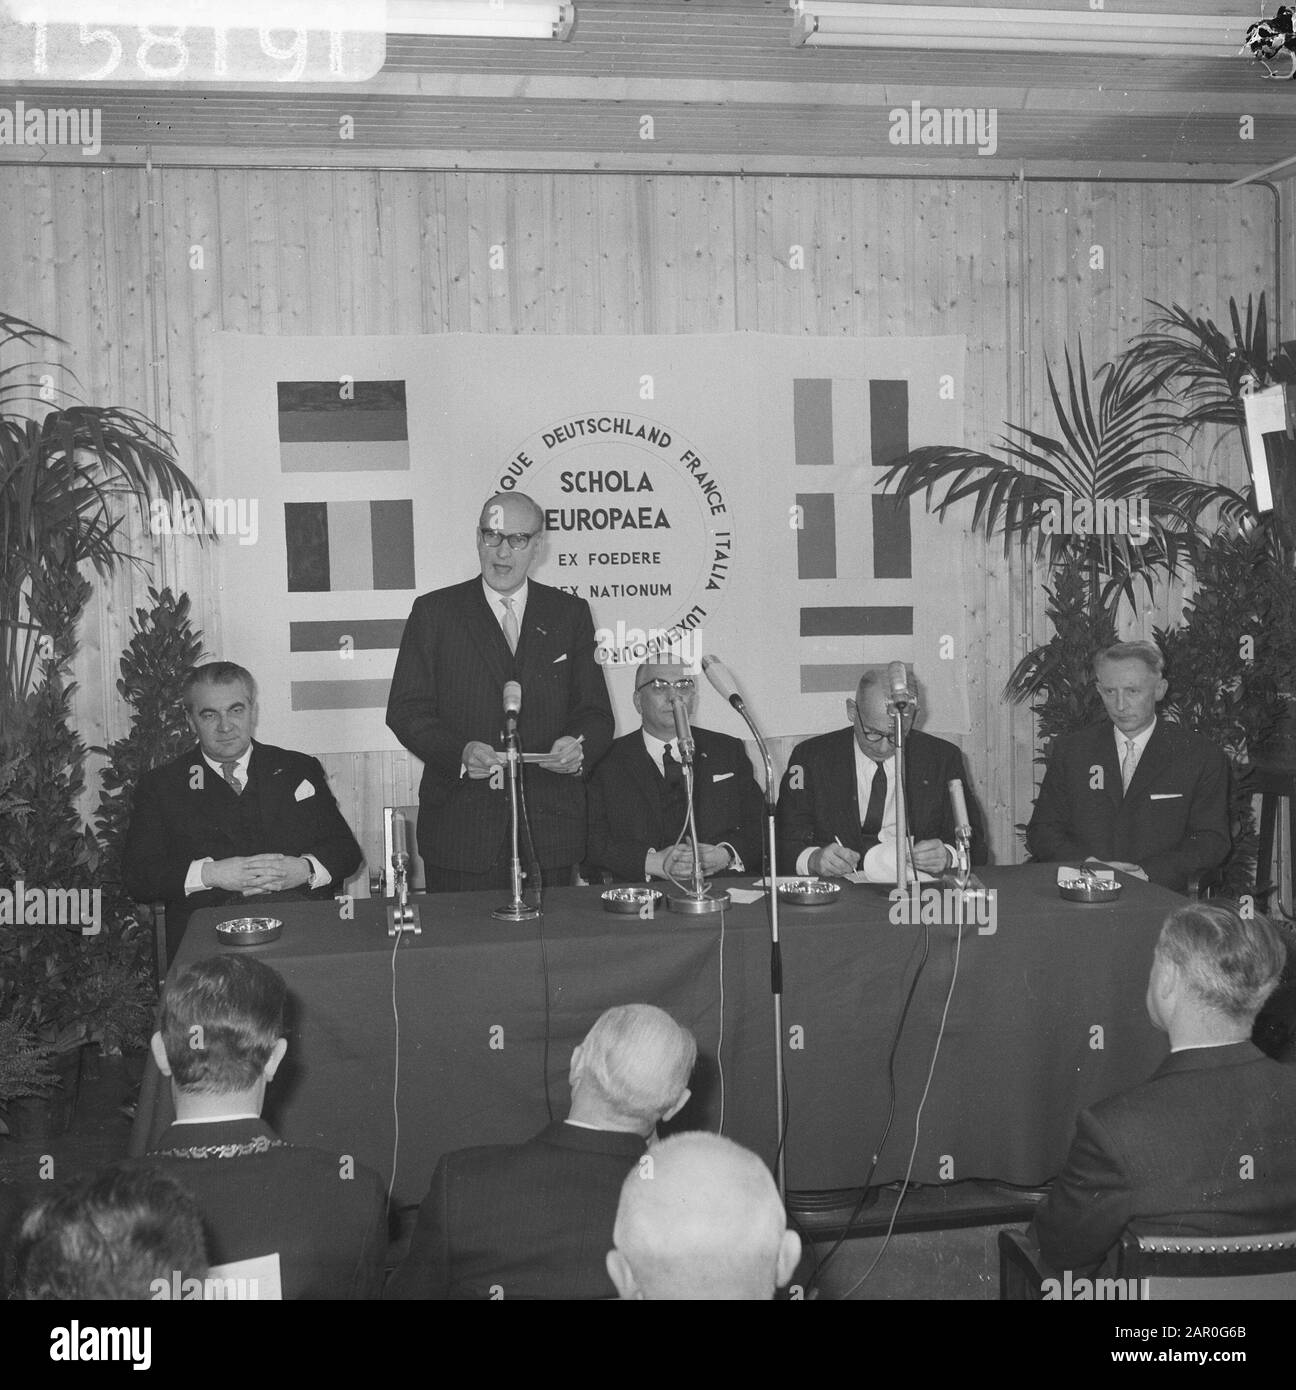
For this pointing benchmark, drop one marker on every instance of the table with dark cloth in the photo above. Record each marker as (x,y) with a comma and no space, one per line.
(1046,1016)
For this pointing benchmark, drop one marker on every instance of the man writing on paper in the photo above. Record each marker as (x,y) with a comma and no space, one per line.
(1134,791)
(462,644)
(837,801)
(233,820)
(638,800)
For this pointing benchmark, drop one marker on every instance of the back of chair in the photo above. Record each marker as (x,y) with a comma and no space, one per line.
(1219,1267)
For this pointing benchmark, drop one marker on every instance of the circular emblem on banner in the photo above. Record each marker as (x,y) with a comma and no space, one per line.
(636,522)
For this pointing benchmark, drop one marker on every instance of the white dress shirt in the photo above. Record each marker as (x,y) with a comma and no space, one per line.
(1140,742)
(519,597)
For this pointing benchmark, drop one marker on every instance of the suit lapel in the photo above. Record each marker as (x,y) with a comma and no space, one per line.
(843,790)
(1104,754)
(486,633)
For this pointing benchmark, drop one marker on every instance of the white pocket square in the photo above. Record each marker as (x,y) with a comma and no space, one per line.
(304,789)
(721,776)
(557,659)
(1165,796)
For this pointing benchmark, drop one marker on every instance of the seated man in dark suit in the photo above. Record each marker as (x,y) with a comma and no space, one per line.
(637,795)
(534,1220)
(837,800)
(232,820)
(1134,791)
(319,1218)
(704,1221)
(1207,1146)
(121,1232)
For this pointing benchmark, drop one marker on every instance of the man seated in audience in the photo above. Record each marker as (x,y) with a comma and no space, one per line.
(637,796)
(319,1218)
(1207,1146)
(534,1220)
(1134,791)
(837,801)
(701,1218)
(108,1235)
(231,820)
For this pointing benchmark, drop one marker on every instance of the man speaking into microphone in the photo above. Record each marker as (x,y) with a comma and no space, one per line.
(462,646)
(837,801)
(638,796)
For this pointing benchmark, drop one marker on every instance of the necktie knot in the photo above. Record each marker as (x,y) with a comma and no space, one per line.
(229,770)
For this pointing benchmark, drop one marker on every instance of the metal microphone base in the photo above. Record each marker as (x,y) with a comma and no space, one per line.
(403,919)
(516,912)
(695,905)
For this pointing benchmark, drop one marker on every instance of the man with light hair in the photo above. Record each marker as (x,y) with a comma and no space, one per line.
(533,1220)
(1207,1146)
(1133,791)
(700,1218)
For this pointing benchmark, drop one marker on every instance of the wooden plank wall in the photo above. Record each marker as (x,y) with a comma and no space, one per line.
(139,269)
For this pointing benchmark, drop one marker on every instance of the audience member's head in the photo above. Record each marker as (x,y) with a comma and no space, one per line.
(220,701)
(109,1235)
(1130,681)
(631,1070)
(1212,971)
(700,1218)
(220,1036)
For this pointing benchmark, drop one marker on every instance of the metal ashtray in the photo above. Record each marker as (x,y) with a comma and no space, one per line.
(632,901)
(249,931)
(808,892)
(1089,890)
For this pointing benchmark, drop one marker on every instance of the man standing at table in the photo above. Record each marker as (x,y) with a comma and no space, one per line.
(837,801)
(461,646)
(1133,791)
(233,820)
(534,1220)
(1207,1146)
(638,800)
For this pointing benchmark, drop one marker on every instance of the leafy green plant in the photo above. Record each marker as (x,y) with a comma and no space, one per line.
(26,1065)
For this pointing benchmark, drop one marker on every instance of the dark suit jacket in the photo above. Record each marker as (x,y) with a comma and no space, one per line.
(824,801)
(626,814)
(1173,820)
(530,1220)
(326,1219)
(448,691)
(185,811)
(1173,1155)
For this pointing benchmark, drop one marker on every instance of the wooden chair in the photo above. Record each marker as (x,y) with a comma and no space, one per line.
(1165,1268)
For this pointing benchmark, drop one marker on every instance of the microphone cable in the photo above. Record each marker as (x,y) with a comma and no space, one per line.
(533,861)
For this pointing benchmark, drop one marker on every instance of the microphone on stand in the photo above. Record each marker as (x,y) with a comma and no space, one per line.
(962,830)
(899,696)
(683,734)
(718,674)
(512,703)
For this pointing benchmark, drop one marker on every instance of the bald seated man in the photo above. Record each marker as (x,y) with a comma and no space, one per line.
(534,1220)
(700,1218)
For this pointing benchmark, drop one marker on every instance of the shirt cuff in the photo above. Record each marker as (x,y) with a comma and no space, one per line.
(735,859)
(320,876)
(193,879)
(803,860)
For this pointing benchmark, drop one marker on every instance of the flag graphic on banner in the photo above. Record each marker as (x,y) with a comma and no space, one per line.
(334,546)
(817,536)
(331,427)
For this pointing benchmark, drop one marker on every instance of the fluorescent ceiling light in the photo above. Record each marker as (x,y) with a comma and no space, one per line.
(501,19)
(952,28)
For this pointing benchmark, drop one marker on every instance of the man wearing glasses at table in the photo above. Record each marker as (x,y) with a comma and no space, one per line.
(638,799)
(837,801)
(461,645)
